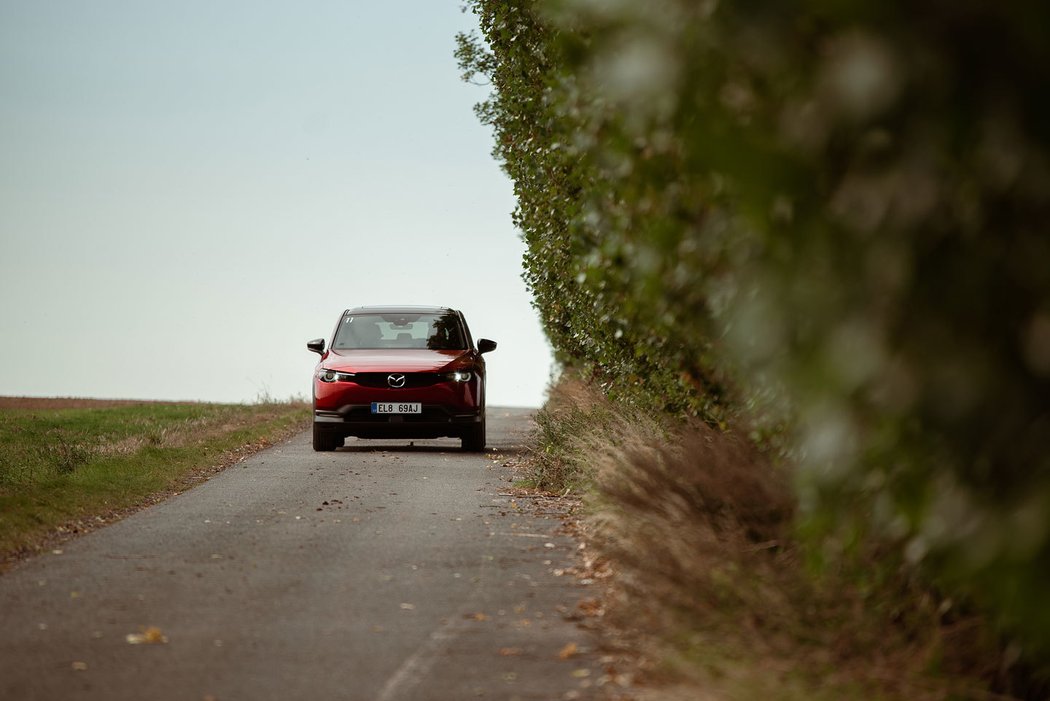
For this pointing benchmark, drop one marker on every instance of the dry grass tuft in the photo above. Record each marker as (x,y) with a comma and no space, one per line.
(709,585)
(693,507)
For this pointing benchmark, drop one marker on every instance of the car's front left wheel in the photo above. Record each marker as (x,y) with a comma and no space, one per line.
(474,438)
(326,440)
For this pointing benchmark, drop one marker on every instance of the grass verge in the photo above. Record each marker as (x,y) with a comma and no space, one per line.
(68,466)
(710,583)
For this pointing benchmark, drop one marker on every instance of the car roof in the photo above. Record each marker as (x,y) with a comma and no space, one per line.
(398,310)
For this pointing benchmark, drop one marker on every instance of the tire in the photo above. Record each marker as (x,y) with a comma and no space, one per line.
(474,438)
(325,441)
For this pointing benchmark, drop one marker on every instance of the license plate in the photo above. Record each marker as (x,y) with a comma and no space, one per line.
(397,408)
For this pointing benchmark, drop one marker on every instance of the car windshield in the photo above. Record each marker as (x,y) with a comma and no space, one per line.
(373,331)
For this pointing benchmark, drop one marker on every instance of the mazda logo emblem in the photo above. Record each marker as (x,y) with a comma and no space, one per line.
(397,380)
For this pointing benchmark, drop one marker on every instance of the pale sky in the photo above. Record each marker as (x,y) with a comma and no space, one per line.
(189,191)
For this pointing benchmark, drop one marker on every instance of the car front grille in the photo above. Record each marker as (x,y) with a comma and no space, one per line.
(412,379)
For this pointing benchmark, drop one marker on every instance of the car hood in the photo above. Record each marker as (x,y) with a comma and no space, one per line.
(392,360)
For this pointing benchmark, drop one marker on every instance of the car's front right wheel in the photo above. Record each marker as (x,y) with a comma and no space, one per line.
(326,440)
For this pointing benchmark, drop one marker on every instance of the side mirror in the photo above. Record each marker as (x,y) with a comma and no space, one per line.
(485,345)
(316,345)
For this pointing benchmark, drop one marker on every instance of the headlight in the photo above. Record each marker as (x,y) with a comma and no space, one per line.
(460,375)
(326,375)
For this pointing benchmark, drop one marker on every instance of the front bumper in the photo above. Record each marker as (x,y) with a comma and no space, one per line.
(435,421)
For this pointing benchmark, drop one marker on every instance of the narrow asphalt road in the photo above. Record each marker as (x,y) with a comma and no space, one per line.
(382,571)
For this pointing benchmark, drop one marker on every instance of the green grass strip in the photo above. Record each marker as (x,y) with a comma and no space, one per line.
(66,466)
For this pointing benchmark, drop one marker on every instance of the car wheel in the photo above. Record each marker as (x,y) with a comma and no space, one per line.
(326,440)
(474,439)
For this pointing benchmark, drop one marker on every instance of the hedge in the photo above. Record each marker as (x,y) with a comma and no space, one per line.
(823,219)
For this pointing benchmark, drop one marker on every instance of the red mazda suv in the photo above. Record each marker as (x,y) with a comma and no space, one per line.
(400,372)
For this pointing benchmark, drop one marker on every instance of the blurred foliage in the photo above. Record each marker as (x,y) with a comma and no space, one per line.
(824,218)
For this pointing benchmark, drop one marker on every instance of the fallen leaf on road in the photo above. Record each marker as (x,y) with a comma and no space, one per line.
(568,651)
(407,607)
(510,651)
(79,666)
(581,673)
(149,636)
(479,616)
(591,607)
